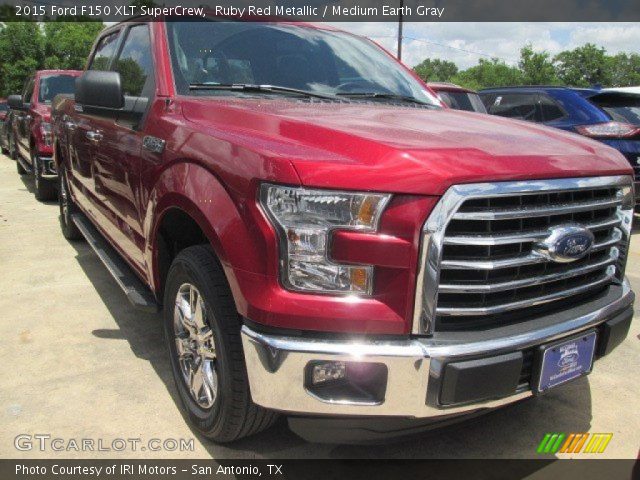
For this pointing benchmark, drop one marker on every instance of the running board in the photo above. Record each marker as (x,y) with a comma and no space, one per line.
(138,294)
(24,164)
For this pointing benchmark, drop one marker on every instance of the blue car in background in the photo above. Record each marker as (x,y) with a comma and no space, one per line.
(612,117)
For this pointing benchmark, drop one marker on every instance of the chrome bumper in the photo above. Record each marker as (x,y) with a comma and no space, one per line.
(276,364)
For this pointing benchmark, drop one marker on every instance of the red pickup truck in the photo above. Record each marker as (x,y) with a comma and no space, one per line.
(326,240)
(31,142)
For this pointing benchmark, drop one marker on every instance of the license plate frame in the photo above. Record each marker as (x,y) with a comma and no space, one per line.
(565,360)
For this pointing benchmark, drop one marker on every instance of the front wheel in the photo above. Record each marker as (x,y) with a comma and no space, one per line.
(67,208)
(202,331)
(45,189)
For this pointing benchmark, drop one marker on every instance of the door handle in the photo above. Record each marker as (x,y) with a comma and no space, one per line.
(70,125)
(94,136)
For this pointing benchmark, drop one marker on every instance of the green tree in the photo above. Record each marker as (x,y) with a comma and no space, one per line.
(436,70)
(624,69)
(68,43)
(537,68)
(21,53)
(583,66)
(488,73)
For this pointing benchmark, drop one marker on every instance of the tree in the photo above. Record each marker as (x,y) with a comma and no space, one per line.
(436,70)
(537,68)
(583,66)
(624,69)
(487,73)
(67,44)
(21,53)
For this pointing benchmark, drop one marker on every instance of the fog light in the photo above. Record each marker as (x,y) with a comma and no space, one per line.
(324,372)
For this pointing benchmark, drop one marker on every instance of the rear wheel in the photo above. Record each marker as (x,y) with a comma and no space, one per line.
(67,209)
(45,189)
(202,330)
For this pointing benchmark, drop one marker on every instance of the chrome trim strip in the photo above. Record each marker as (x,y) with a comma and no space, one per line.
(431,244)
(557,209)
(518,261)
(533,236)
(529,302)
(275,366)
(527,282)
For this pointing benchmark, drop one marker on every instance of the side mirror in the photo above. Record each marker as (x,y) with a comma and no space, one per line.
(15,102)
(99,89)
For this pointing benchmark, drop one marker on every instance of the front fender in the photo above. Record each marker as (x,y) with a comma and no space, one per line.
(233,225)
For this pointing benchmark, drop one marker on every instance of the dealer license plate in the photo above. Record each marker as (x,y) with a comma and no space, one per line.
(566,360)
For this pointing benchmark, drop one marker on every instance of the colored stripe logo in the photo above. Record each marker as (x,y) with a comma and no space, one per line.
(553,443)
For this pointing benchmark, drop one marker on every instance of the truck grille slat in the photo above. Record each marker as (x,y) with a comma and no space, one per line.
(526,282)
(528,302)
(521,237)
(480,270)
(528,259)
(559,209)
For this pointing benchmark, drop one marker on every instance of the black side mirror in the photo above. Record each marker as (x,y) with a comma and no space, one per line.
(15,102)
(100,89)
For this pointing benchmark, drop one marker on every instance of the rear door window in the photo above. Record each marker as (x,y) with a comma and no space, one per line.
(521,106)
(550,110)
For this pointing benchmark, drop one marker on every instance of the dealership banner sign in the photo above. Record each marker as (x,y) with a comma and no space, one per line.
(333,10)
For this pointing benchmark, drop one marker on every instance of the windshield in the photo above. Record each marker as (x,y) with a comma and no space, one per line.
(463,101)
(53,85)
(303,58)
(620,107)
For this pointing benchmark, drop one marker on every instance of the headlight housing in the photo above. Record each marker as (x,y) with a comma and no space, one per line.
(304,219)
(45,129)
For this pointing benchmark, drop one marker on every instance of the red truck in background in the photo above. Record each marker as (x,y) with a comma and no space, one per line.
(31,142)
(326,240)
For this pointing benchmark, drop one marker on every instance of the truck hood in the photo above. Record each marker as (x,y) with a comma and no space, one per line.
(398,149)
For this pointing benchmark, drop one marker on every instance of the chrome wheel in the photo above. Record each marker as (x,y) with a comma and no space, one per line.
(195,346)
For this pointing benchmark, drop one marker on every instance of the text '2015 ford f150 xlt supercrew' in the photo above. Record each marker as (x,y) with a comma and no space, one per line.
(326,240)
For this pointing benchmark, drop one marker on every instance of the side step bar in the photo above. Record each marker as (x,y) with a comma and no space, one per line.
(137,292)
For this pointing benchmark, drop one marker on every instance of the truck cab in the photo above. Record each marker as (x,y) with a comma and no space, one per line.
(325,240)
(31,127)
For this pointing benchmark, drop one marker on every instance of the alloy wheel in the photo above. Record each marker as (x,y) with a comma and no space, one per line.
(195,346)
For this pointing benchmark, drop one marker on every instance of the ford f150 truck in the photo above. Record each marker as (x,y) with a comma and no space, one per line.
(31,144)
(326,240)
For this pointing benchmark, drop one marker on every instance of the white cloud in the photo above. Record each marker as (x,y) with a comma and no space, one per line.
(465,43)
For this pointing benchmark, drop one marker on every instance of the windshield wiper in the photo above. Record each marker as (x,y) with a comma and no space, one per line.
(385,96)
(247,87)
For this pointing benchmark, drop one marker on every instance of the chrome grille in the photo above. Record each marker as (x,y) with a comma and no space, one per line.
(478,266)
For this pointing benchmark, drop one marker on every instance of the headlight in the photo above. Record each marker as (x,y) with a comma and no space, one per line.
(304,219)
(45,128)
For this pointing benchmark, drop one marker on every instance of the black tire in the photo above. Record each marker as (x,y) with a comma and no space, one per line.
(69,229)
(233,414)
(13,153)
(45,190)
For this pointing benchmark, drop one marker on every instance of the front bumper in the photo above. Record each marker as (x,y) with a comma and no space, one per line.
(276,365)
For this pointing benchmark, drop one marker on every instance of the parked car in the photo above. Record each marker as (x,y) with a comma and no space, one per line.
(4,121)
(327,241)
(611,117)
(457,97)
(31,127)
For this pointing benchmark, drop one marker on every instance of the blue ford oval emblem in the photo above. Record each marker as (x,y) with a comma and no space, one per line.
(565,243)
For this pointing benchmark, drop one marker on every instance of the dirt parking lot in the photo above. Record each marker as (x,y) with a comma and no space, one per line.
(79,362)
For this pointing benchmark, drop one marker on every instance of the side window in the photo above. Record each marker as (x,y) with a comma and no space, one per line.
(550,109)
(134,63)
(521,106)
(27,93)
(104,51)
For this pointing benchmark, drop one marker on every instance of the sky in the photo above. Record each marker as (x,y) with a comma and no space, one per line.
(465,43)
